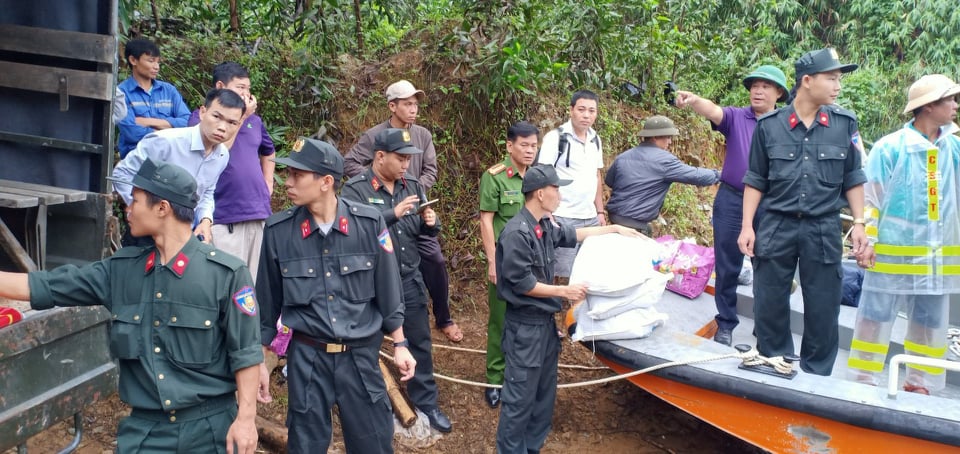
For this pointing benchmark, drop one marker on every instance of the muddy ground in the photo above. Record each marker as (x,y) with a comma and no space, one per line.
(611,418)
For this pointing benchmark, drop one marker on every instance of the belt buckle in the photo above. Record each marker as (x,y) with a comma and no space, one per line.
(336,348)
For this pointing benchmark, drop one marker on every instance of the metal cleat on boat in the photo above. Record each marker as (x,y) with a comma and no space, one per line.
(779,366)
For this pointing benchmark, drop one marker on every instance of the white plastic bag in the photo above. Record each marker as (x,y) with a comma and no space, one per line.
(633,324)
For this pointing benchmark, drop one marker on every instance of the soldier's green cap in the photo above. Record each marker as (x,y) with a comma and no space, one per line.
(167,181)
(769,73)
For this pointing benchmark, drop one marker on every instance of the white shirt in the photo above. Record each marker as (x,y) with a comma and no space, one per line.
(577,200)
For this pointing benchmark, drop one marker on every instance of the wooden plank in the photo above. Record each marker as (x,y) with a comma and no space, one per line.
(69,195)
(58,43)
(84,84)
(50,142)
(14,250)
(8,200)
(48,198)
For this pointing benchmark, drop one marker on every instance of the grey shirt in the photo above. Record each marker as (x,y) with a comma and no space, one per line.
(423,167)
(641,176)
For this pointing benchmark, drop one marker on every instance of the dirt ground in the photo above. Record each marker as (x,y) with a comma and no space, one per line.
(612,418)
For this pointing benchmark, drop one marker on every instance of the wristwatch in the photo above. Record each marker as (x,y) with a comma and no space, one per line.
(859,221)
(404,343)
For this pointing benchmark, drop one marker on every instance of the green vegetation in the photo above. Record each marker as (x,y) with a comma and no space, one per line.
(485,64)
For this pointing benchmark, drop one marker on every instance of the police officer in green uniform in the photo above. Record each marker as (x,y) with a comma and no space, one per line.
(327,266)
(385,186)
(184,324)
(500,199)
(804,159)
(525,259)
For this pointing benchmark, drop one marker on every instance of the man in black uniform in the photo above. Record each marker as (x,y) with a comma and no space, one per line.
(525,260)
(803,158)
(328,267)
(184,323)
(385,187)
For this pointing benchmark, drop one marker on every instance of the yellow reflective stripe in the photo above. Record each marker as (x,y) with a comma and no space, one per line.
(949,270)
(903,251)
(933,204)
(862,364)
(925,350)
(869,347)
(895,268)
(950,250)
(928,369)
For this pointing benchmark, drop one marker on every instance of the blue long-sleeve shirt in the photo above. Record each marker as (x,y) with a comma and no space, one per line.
(641,177)
(163,101)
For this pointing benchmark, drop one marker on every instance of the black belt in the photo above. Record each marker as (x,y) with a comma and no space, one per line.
(799,215)
(731,187)
(209,407)
(318,344)
(640,226)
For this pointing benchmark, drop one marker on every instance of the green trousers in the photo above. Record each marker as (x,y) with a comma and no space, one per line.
(495,362)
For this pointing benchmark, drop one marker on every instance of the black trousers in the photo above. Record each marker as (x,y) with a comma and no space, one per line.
(352,380)
(433,267)
(422,388)
(531,348)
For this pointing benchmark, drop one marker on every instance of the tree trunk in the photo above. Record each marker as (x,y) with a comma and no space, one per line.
(356,12)
(234,17)
(156,14)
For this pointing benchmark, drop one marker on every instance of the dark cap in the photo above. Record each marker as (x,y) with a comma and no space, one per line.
(396,141)
(541,176)
(314,156)
(820,61)
(167,181)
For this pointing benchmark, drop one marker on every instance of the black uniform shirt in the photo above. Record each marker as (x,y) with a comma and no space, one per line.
(525,256)
(366,188)
(342,287)
(805,171)
(180,330)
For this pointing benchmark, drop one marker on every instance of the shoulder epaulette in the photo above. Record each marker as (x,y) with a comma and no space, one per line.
(130,252)
(841,111)
(280,216)
(356,178)
(361,209)
(497,169)
(219,257)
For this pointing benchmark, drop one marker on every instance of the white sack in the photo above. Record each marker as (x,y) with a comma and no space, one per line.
(640,296)
(614,264)
(634,324)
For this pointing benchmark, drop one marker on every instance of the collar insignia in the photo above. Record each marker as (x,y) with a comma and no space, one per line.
(794,121)
(305,228)
(344,225)
(180,264)
(151,261)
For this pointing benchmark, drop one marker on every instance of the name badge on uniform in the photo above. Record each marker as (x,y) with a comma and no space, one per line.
(375,200)
(512,193)
(245,301)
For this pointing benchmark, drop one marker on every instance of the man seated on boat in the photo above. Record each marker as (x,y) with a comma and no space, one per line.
(525,258)
(641,176)
(767,85)
(912,224)
(804,158)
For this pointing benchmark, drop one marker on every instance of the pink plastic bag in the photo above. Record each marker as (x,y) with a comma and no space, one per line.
(282,339)
(690,263)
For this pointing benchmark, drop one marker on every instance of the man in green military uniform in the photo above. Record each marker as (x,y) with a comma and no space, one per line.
(500,199)
(386,187)
(184,324)
(803,159)
(327,265)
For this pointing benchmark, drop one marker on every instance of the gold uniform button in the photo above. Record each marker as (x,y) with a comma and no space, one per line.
(330,297)
(136,317)
(213,252)
(310,270)
(156,323)
(206,323)
(160,376)
(328,274)
(346,268)
(173,319)
(159,295)
(284,270)
(368,263)
(166,402)
(173,419)
(157,350)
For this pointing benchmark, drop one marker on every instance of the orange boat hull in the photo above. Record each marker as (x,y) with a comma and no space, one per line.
(773,428)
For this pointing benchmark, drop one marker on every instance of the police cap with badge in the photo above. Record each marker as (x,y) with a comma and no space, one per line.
(395,140)
(820,61)
(314,155)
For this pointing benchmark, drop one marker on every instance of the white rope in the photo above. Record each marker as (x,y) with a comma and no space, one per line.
(750,358)
(474,350)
